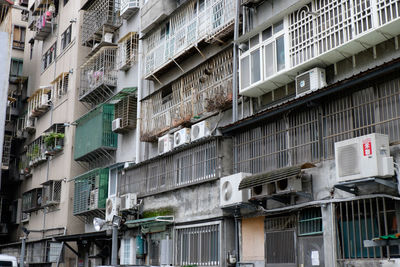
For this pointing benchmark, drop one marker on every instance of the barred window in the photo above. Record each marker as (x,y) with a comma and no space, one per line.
(309,135)
(310,222)
(198,245)
(365,219)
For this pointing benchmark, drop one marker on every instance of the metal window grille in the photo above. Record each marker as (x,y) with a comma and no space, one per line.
(310,135)
(126,110)
(198,245)
(337,22)
(101,15)
(99,76)
(193,165)
(51,193)
(60,86)
(38,102)
(90,192)
(36,252)
(5,162)
(190,24)
(310,222)
(36,152)
(280,240)
(205,89)
(32,200)
(127,51)
(365,219)
(54,252)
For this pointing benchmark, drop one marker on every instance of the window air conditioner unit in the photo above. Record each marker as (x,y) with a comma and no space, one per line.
(310,81)
(93,199)
(128,201)
(116,124)
(112,207)
(230,194)
(165,143)
(363,157)
(128,8)
(182,137)
(200,130)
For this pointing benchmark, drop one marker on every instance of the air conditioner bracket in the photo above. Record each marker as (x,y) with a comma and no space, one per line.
(352,186)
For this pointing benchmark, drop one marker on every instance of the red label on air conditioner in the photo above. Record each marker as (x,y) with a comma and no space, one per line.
(367,147)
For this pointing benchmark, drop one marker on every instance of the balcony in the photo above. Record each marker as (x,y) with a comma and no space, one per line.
(99,76)
(183,167)
(54,139)
(94,138)
(205,90)
(36,152)
(90,193)
(101,16)
(43,18)
(281,51)
(194,22)
(38,102)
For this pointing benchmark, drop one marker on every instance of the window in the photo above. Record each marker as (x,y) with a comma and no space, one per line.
(365,219)
(16,67)
(310,222)
(198,245)
(54,249)
(60,86)
(128,249)
(19,37)
(113,180)
(66,37)
(51,193)
(49,56)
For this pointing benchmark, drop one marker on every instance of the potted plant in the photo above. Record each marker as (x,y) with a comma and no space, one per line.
(54,142)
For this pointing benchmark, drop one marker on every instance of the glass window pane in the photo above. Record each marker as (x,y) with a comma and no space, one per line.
(267,33)
(269,60)
(255,66)
(244,72)
(280,53)
(254,40)
(278,26)
(113,182)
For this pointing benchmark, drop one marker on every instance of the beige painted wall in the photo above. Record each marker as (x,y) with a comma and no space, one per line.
(253,239)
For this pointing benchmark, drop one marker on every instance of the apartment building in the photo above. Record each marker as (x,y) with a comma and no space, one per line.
(323,81)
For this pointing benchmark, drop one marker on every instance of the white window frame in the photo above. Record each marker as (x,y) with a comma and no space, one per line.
(109,182)
(130,257)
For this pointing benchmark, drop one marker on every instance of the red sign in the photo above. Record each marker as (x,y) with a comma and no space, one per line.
(367,147)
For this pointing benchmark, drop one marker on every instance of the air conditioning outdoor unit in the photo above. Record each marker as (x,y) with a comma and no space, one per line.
(200,130)
(165,143)
(288,185)
(362,157)
(116,124)
(128,201)
(182,137)
(310,81)
(128,8)
(229,190)
(263,190)
(112,207)
(93,199)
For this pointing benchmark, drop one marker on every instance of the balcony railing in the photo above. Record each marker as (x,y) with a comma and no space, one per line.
(44,25)
(36,152)
(319,32)
(194,22)
(99,76)
(197,164)
(208,88)
(38,102)
(5,162)
(101,16)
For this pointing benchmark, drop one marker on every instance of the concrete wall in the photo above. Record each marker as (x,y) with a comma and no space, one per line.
(154,12)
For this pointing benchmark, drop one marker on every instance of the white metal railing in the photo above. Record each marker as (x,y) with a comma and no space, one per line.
(321,31)
(38,102)
(194,22)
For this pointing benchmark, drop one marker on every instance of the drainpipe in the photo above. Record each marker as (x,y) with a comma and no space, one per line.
(235,65)
(236,216)
(139,93)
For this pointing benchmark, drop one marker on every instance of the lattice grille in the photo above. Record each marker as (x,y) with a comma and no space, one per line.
(99,76)
(127,51)
(38,102)
(51,193)
(102,16)
(32,200)
(205,89)
(388,10)
(60,86)
(36,152)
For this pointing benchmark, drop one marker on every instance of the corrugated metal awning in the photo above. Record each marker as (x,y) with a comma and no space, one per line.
(152,220)
(271,176)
